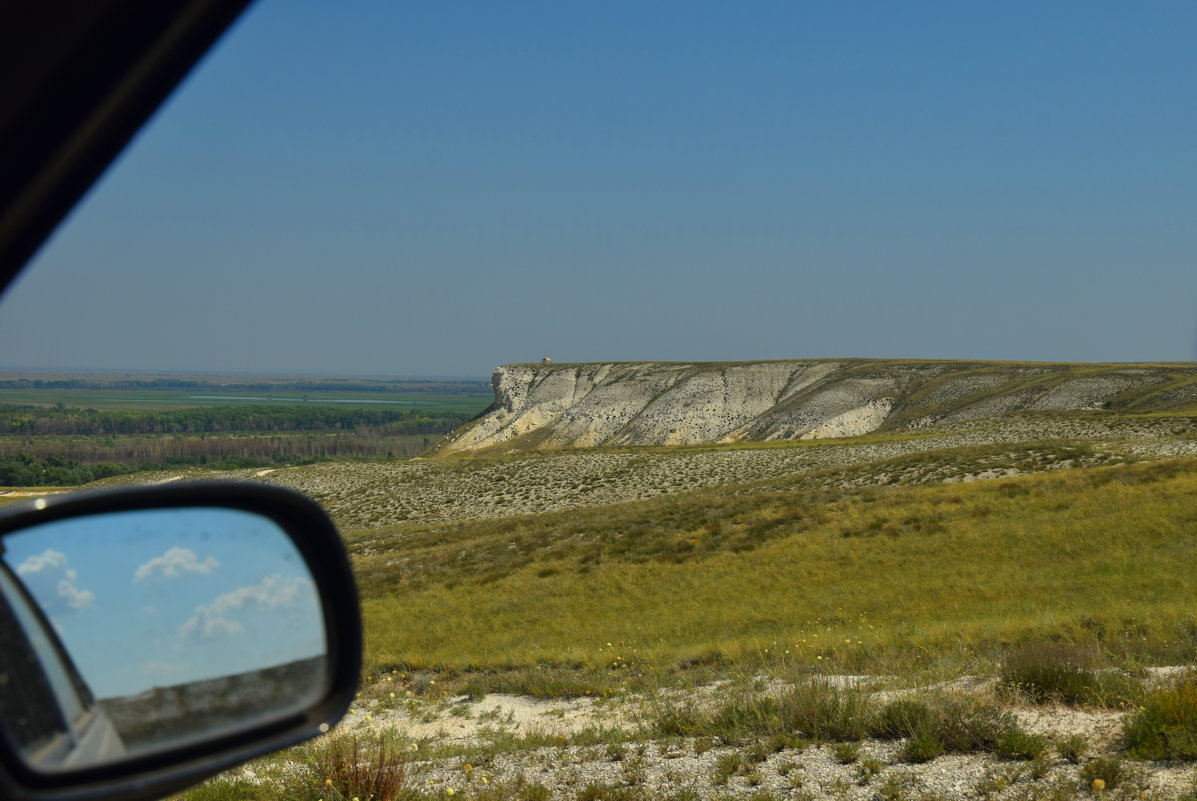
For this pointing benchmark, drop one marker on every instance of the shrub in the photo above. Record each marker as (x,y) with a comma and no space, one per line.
(1165,727)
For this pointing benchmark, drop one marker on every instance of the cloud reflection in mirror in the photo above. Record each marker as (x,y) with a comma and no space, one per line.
(176,622)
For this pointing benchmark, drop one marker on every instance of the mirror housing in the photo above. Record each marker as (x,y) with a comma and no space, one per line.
(306,534)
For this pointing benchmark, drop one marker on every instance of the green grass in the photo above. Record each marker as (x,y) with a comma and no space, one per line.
(933,576)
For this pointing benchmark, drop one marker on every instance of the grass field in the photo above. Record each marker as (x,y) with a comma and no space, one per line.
(914,579)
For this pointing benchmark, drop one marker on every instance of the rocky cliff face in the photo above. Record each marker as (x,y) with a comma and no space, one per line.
(539,406)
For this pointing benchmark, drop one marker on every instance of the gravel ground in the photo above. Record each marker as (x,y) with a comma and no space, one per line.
(660,767)
(378,494)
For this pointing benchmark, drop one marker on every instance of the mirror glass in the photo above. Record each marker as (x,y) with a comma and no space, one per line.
(126,633)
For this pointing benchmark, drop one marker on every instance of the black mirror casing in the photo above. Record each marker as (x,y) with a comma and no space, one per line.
(315,538)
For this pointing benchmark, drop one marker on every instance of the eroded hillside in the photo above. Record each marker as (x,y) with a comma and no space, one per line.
(547,406)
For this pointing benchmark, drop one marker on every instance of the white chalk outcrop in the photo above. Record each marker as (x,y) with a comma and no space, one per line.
(539,406)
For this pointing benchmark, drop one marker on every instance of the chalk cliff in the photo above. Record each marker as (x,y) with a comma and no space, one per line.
(540,406)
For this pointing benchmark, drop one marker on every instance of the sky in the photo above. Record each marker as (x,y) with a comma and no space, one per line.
(189,594)
(378,188)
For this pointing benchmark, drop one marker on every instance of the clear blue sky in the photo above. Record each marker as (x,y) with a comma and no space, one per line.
(438,188)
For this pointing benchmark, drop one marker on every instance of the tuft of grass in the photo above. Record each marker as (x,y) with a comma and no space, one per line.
(377,771)
(1063,673)
(923,747)
(1073,748)
(1014,743)
(1165,727)
(1112,771)
(846,753)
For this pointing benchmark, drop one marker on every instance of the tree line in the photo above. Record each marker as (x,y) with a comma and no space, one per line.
(63,421)
(465,386)
(26,462)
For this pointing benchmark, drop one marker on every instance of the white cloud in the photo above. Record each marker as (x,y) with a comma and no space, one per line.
(216,619)
(174,563)
(53,584)
(49,559)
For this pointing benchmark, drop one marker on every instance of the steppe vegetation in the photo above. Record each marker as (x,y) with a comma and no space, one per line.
(858,618)
(992,608)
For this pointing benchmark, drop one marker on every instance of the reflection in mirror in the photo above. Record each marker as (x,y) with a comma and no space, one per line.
(131,632)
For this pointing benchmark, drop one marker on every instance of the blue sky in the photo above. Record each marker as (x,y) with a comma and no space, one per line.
(188,595)
(401,188)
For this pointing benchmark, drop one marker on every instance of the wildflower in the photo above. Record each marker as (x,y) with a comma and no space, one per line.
(484,780)
(448,791)
(1099,785)
(328,782)
(392,695)
(368,718)
(467,767)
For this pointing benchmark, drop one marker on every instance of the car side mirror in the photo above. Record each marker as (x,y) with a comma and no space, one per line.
(152,637)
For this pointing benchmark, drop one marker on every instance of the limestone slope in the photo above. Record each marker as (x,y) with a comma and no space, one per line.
(546,406)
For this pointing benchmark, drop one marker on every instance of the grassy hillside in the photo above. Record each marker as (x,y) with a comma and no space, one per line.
(939,577)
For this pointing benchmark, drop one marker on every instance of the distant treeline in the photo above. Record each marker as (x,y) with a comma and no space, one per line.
(63,421)
(465,386)
(55,446)
(25,470)
(61,461)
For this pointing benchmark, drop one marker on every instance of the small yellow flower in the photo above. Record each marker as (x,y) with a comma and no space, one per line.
(369,718)
(484,780)
(467,767)
(392,695)
(1099,785)
(328,782)
(448,791)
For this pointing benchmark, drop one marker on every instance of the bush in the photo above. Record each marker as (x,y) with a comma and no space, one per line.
(1165,727)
